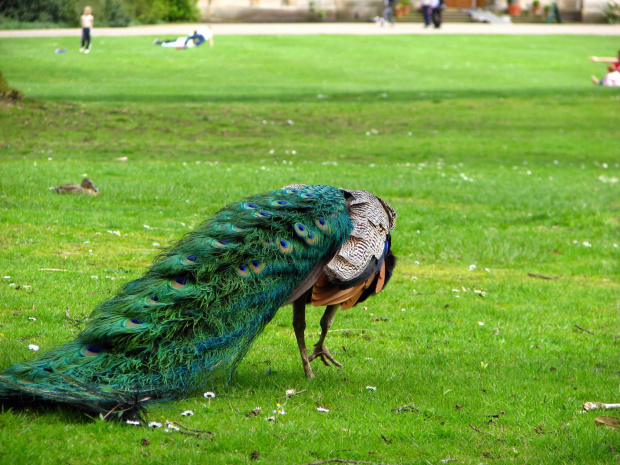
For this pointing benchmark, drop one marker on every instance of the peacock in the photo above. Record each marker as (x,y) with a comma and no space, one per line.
(204,300)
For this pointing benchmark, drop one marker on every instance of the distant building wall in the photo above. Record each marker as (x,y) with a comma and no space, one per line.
(593,11)
(288,10)
(357,10)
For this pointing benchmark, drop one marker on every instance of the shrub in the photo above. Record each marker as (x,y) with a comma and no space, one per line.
(110,12)
(612,12)
(116,13)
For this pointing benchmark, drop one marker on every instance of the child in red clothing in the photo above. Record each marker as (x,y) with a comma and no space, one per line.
(614,61)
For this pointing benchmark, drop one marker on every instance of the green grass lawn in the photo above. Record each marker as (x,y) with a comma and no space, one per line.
(496,151)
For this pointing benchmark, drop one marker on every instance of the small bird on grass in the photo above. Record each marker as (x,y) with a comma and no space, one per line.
(204,300)
(86,187)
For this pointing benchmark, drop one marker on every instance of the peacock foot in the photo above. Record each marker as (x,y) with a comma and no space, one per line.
(321,351)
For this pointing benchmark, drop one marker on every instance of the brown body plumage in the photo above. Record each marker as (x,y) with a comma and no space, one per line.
(86,187)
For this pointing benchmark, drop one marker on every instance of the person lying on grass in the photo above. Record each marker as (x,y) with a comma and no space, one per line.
(611,79)
(196,39)
(615,61)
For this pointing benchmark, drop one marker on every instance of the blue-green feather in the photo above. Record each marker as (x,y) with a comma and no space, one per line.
(196,310)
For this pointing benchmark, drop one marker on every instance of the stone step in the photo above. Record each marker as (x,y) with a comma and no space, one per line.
(449,15)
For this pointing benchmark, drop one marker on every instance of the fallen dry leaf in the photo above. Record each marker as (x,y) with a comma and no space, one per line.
(610,422)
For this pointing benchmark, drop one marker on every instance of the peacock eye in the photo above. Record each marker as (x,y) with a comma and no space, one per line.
(237,228)
(179,282)
(250,206)
(257,267)
(300,229)
(242,270)
(294,191)
(188,260)
(284,246)
(264,214)
(307,196)
(221,242)
(280,203)
(310,238)
(133,322)
(91,351)
(321,224)
(152,300)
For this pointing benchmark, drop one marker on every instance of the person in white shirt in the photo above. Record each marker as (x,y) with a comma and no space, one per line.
(611,79)
(436,7)
(193,40)
(87,20)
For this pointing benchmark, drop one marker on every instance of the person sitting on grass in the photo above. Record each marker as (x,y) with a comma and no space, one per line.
(196,39)
(611,79)
(614,61)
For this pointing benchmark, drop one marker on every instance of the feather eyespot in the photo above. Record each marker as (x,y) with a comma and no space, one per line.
(264,214)
(189,259)
(237,228)
(268,244)
(280,203)
(322,224)
(179,282)
(307,195)
(242,270)
(294,191)
(250,206)
(221,242)
(133,323)
(310,238)
(284,246)
(300,229)
(91,351)
(257,267)
(152,300)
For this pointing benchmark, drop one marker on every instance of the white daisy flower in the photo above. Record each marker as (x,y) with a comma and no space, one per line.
(209,395)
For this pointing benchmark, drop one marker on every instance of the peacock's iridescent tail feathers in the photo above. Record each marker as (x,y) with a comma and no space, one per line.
(197,309)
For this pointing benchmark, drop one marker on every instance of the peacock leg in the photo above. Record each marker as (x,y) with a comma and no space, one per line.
(319,348)
(299,325)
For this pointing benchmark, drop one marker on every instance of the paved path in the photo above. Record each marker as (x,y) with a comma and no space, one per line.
(329,28)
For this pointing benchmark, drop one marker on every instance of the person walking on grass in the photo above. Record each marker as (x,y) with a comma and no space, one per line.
(388,13)
(87,20)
